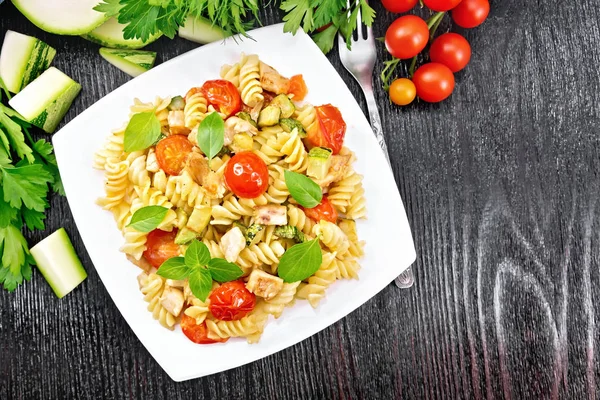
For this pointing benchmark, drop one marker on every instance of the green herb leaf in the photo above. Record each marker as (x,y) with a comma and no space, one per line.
(200,283)
(367,14)
(197,254)
(33,219)
(15,257)
(211,135)
(7,213)
(108,7)
(326,38)
(15,136)
(174,268)
(148,218)
(142,131)
(300,261)
(303,189)
(223,271)
(26,185)
(299,12)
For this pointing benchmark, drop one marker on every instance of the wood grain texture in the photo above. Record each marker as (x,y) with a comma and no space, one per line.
(501,185)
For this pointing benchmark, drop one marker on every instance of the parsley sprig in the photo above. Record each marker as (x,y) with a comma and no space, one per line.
(27,168)
(322,18)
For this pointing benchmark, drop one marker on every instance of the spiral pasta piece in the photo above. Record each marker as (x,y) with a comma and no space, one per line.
(347,268)
(152,287)
(357,205)
(355,249)
(307,115)
(226,329)
(262,254)
(116,184)
(340,194)
(294,149)
(195,109)
(250,88)
(112,150)
(297,218)
(231,210)
(151,161)
(284,298)
(138,174)
(314,291)
(332,237)
(231,73)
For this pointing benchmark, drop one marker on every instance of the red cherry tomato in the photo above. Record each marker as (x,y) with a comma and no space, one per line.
(434,82)
(471,13)
(329,129)
(223,95)
(452,50)
(231,301)
(160,246)
(399,6)
(298,87)
(247,175)
(323,210)
(406,37)
(441,5)
(172,153)
(197,333)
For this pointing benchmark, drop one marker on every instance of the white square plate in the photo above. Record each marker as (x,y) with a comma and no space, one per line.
(389,249)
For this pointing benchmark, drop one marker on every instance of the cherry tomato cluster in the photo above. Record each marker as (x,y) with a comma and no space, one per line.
(450,52)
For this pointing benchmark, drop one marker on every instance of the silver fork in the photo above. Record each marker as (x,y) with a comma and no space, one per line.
(360,62)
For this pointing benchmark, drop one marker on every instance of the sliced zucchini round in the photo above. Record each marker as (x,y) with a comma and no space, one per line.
(110,34)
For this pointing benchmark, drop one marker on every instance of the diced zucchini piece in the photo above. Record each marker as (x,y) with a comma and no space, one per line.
(289,124)
(241,142)
(319,161)
(269,116)
(63,17)
(201,30)
(285,105)
(110,34)
(251,233)
(177,103)
(22,59)
(132,62)
(185,235)
(199,218)
(223,152)
(57,261)
(290,232)
(45,101)
(246,117)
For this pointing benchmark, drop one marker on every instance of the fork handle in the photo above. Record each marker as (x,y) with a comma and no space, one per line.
(376,121)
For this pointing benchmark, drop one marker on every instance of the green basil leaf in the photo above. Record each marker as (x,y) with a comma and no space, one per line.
(197,255)
(300,261)
(174,268)
(148,218)
(211,134)
(224,271)
(142,131)
(303,189)
(200,283)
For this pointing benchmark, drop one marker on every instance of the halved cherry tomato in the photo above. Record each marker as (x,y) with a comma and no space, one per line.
(231,301)
(452,50)
(441,5)
(298,87)
(406,37)
(324,210)
(223,95)
(172,153)
(247,175)
(434,82)
(471,13)
(399,6)
(329,129)
(160,246)
(197,333)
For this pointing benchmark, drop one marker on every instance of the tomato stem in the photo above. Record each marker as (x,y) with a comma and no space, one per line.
(386,74)
(411,69)
(434,22)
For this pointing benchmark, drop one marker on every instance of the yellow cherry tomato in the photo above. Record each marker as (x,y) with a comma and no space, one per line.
(402,91)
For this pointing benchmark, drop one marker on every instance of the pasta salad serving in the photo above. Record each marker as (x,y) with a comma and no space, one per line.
(235,200)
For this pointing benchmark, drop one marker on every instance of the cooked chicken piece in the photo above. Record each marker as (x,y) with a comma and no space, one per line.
(337,170)
(193,137)
(172,300)
(197,166)
(255,111)
(270,215)
(176,120)
(214,184)
(232,244)
(235,125)
(142,263)
(272,81)
(263,284)
(174,283)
